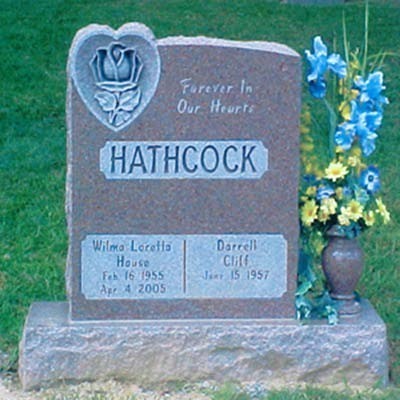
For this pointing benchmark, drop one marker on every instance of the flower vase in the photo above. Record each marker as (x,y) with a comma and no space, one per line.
(342,263)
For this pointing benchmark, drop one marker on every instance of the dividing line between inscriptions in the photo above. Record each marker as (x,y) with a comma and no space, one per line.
(184,266)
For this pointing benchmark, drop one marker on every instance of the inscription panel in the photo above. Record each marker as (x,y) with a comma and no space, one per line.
(221,159)
(184,266)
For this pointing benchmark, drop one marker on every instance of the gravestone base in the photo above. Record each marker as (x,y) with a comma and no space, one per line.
(269,352)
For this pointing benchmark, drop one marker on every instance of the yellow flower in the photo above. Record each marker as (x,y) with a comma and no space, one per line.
(355,63)
(355,152)
(345,110)
(343,218)
(335,171)
(323,214)
(342,88)
(311,191)
(330,204)
(354,94)
(308,168)
(306,117)
(382,210)
(308,147)
(354,161)
(304,129)
(369,218)
(354,210)
(339,193)
(309,212)
(339,150)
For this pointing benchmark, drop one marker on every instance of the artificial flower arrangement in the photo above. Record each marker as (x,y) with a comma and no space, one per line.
(345,192)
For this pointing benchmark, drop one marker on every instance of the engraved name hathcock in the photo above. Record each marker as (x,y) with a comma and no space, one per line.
(117,70)
(218,159)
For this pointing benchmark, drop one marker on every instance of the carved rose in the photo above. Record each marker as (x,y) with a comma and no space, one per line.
(116,68)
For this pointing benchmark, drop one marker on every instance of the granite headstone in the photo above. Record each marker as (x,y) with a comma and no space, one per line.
(182,218)
(182,176)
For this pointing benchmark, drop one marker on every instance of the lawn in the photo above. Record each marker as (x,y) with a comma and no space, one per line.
(35,36)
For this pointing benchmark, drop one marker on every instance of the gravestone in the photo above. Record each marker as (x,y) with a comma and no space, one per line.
(182,184)
(183,221)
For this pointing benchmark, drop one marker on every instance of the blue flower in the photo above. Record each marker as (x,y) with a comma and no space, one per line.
(337,65)
(363,124)
(370,90)
(320,62)
(318,88)
(345,134)
(324,192)
(369,179)
(368,143)
(310,179)
(367,123)
(347,191)
(372,120)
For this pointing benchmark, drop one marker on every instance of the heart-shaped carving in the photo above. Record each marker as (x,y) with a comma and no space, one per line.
(116,73)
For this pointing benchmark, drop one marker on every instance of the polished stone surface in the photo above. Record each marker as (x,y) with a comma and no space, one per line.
(208,147)
(270,352)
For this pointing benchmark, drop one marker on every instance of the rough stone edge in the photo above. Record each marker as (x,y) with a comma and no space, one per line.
(271,47)
(369,362)
(138,28)
(68,182)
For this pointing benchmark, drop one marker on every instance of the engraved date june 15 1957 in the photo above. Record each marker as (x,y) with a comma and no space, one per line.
(251,275)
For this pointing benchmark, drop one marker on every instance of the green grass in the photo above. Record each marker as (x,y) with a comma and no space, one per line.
(35,36)
(117,391)
(322,394)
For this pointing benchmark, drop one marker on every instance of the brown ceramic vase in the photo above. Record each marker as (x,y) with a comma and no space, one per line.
(342,262)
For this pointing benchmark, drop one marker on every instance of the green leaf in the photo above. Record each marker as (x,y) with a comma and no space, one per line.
(361,195)
(303,307)
(303,288)
(332,315)
(305,268)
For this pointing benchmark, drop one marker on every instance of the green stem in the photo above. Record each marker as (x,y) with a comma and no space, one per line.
(346,43)
(332,128)
(366,28)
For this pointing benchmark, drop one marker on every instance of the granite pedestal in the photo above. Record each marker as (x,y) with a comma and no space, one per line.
(270,352)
